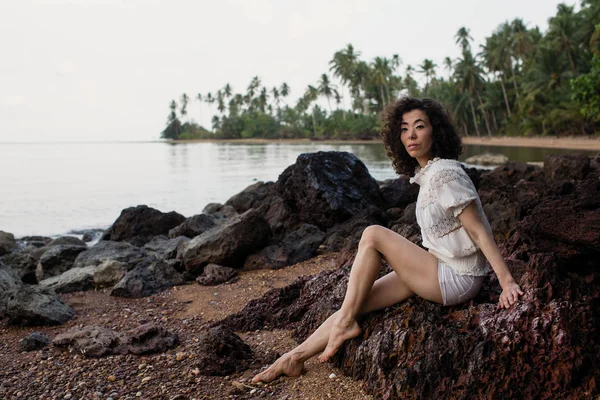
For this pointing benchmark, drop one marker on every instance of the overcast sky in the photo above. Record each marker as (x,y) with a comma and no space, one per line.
(90,70)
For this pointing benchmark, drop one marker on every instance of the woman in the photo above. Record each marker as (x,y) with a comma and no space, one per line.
(419,137)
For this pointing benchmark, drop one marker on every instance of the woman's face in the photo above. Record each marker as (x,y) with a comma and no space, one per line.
(416,135)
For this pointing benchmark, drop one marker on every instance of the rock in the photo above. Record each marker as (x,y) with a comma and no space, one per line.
(91,341)
(228,244)
(196,225)
(33,305)
(34,241)
(110,251)
(296,246)
(138,225)
(349,232)
(215,274)
(221,352)
(23,263)
(565,167)
(163,248)
(278,214)
(8,279)
(251,197)
(66,241)
(73,280)
(148,339)
(219,210)
(58,259)
(487,159)
(109,273)
(147,278)
(7,243)
(97,341)
(398,192)
(326,188)
(34,341)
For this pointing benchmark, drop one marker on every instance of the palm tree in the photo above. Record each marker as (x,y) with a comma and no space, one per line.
(468,77)
(343,65)
(284,90)
(360,75)
(449,66)
(311,94)
(463,37)
(199,98)
(326,89)
(427,69)
(564,30)
(227,90)
(184,102)
(263,98)
(381,73)
(254,84)
(216,123)
(493,54)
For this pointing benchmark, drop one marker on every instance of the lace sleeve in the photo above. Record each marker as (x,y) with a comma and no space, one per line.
(454,190)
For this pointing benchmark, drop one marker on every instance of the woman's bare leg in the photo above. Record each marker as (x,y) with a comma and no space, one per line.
(414,266)
(421,273)
(387,291)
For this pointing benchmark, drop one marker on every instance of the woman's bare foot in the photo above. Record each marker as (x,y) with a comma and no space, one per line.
(288,364)
(341,331)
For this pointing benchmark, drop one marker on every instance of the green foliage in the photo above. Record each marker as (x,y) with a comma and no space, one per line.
(586,91)
(520,82)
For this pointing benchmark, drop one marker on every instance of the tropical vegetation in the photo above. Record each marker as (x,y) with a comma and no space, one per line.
(519,82)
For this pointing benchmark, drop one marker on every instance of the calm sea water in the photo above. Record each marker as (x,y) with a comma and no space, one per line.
(52,189)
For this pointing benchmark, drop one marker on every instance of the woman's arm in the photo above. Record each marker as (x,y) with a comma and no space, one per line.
(476,230)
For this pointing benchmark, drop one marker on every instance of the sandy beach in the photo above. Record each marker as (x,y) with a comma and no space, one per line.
(574,143)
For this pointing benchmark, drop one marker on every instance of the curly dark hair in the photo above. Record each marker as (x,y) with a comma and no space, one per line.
(446,142)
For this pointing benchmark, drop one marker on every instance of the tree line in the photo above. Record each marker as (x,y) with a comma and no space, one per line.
(519,82)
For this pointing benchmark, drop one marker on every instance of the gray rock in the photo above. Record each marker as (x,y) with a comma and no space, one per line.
(295,247)
(107,251)
(163,248)
(7,243)
(67,241)
(220,210)
(23,263)
(228,244)
(109,273)
(34,341)
(58,259)
(34,305)
(73,280)
(215,274)
(138,225)
(147,278)
(196,225)
(487,159)
(251,197)
(8,280)
(34,241)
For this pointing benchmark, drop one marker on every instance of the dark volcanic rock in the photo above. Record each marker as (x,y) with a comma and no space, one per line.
(7,243)
(8,280)
(221,352)
(147,278)
(138,225)
(23,263)
(34,241)
(398,192)
(326,188)
(97,341)
(295,247)
(348,233)
(214,274)
(566,166)
(219,210)
(66,241)
(163,248)
(251,197)
(73,280)
(58,259)
(34,341)
(228,244)
(109,251)
(32,305)
(196,225)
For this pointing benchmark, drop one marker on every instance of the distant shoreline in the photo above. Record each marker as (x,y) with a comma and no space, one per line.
(570,143)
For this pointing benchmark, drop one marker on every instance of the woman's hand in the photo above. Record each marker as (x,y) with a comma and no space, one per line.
(510,293)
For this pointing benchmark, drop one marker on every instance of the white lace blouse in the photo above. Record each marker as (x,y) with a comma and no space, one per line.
(445,191)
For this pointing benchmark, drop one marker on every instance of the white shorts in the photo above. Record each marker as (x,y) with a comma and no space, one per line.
(457,288)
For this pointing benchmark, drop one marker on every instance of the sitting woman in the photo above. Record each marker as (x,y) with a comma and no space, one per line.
(421,139)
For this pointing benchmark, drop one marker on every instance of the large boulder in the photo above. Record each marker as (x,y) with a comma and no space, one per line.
(147,278)
(58,259)
(32,305)
(109,273)
(8,280)
(228,244)
(326,188)
(8,243)
(23,263)
(251,197)
(73,280)
(349,232)
(196,225)
(295,247)
(138,225)
(110,251)
(566,167)
(398,192)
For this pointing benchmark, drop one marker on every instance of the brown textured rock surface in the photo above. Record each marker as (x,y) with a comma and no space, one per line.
(222,352)
(138,225)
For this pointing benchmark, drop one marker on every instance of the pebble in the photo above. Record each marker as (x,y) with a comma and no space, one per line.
(253,391)
(331,376)
(111,378)
(146,379)
(67,396)
(180,356)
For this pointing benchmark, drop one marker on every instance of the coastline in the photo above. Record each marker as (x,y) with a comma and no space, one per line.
(570,143)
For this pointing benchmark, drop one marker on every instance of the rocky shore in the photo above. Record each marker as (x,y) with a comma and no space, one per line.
(168,307)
